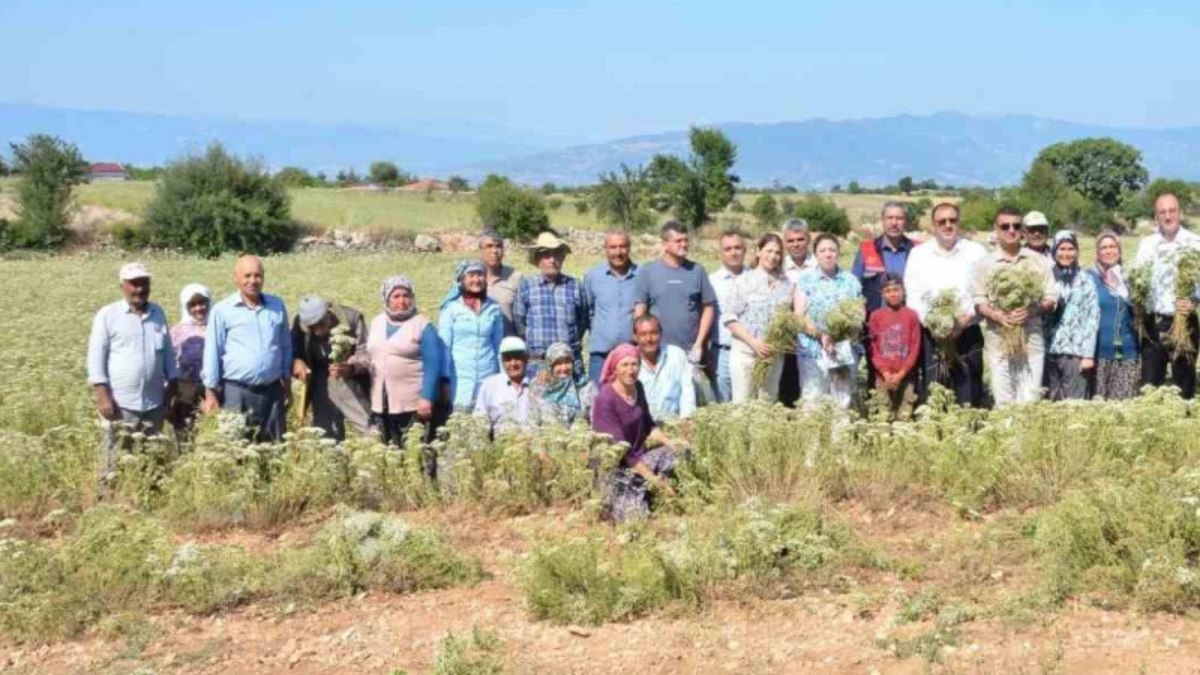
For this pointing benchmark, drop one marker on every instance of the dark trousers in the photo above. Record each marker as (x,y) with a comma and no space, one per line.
(789,381)
(1156,355)
(964,376)
(262,405)
(393,430)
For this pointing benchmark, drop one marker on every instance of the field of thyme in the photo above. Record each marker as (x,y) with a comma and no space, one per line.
(1043,538)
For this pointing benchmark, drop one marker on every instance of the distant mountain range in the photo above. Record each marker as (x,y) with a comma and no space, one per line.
(948,147)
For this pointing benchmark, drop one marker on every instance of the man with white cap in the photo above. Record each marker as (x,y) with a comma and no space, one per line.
(329,347)
(504,397)
(551,306)
(1036,229)
(248,354)
(131,363)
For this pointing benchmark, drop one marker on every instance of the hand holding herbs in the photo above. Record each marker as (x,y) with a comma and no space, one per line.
(1187,277)
(780,339)
(942,322)
(1011,289)
(846,320)
(341,344)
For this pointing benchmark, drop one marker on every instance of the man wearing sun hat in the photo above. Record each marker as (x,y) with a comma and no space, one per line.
(130,363)
(551,306)
(337,391)
(1036,230)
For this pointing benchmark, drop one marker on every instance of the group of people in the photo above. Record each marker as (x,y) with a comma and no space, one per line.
(629,347)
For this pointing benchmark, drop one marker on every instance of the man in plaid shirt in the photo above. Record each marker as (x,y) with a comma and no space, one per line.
(551,306)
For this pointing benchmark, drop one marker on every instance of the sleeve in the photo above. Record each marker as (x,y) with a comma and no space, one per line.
(520,309)
(914,342)
(708,296)
(497,330)
(737,303)
(445,333)
(285,341)
(858,268)
(431,363)
(170,364)
(298,340)
(979,281)
(583,311)
(97,353)
(481,401)
(214,347)
(687,393)
(589,293)
(873,329)
(1049,288)
(914,289)
(1090,318)
(641,287)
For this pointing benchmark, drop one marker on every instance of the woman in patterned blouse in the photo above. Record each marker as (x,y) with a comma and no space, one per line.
(1071,329)
(757,295)
(826,368)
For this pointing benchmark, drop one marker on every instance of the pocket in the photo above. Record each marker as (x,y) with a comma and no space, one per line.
(694,301)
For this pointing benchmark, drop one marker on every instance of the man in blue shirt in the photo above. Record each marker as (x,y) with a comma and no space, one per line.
(131,364)
(887,253)
(248,354)
(609,288)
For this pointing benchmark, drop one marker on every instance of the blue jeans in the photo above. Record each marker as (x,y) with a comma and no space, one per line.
(724,388)
(596,365)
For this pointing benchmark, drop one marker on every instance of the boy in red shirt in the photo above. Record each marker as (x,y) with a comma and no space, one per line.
(894,331)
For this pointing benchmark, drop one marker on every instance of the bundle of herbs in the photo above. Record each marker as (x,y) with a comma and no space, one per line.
(1187,277)
(1010,288)
(780,337)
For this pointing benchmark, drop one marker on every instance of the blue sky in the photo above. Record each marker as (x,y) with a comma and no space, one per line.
(590,71)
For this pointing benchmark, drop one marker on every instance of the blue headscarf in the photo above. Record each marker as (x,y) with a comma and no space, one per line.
(455,292)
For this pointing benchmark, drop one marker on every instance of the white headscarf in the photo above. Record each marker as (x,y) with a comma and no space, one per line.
(190,291)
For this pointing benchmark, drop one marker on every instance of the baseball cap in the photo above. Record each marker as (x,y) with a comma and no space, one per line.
(312,309)
(1035,219)
(512,345)
(133,270)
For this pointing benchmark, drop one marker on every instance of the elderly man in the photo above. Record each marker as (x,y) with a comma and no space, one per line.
(795,242)
(1014,379)
(679,292)
(248,354)
(130,363)
(948,263)
(551,307)
(329,347)
(1036,230)
(610,288)
(502,280)
(1161,250)
(733,263)
(665,373)
(504,397)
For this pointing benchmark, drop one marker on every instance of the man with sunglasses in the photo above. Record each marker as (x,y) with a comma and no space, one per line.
(1036,230)
(947,263)
(1014,379)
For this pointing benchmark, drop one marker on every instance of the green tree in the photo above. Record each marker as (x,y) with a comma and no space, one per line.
(823,215)
(549,189)
(387,173)
(905,185)
(514,213)
(1043,189)
(766,211)
(50,167)
(4,170)
(854,188)
(294,176)
(215,202)
(1141,205)
(624,199)
(1101,169)
(457,184)
(700,185)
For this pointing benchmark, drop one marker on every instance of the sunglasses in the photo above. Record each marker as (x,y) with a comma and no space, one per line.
(1008,227)
(946,221)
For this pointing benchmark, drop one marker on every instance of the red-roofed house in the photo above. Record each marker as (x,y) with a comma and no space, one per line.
(107,171)
(426,185)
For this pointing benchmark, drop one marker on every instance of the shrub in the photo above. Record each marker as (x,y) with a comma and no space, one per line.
(823,215)
(49,167)
(514,213)
(216,203)
(476,654)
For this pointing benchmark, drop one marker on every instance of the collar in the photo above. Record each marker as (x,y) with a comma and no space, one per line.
(558,279)
(998,254)
(508,383)
(884,243)
(241,301)
(608,271)
(127,308)
(726,273)
(658,363)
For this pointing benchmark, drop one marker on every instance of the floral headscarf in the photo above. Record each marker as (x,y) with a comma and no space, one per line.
(389,286)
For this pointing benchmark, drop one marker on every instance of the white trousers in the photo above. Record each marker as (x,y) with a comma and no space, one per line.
(1015,380)
(816,383)
(742,387)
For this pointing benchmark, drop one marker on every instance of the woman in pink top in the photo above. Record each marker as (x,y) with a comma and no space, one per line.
(187,337)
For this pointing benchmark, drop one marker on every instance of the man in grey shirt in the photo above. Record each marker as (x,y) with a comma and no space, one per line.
(131,364)
(679,293)
(502,280)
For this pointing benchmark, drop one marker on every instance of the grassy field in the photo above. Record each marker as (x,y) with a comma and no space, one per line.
(1044,538)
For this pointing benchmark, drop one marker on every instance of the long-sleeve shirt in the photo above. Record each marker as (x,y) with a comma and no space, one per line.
(610,298)
(932,269)
(1162,254)
(132,354)
(669,387)
(1073,328)
(548,311)
(503,402)
(622,422)
(723,282)
(895,338)
(472,343)
(250,345)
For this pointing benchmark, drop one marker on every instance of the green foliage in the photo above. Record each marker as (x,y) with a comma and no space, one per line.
(700,185)
(766,211)
(296,177)
(624,199)
(1101,169)
(217,203)
(713,157)
(823,215)
(387,174)
(457,184)
(49,168)
(1043,189)
(905,185)
(1141,205)
(979,210)
(476,654)
(854,188)
(549,189)
(845,320)
(4,168)
(514,213)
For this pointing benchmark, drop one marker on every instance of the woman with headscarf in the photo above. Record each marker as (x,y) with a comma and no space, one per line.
(471,326)
(622,413)
(1118,371)
(187,337)
(557,393)
(1071,329)
(406,364)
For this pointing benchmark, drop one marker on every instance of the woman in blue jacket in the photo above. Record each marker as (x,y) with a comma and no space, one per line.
(471,326)
(1118,363)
